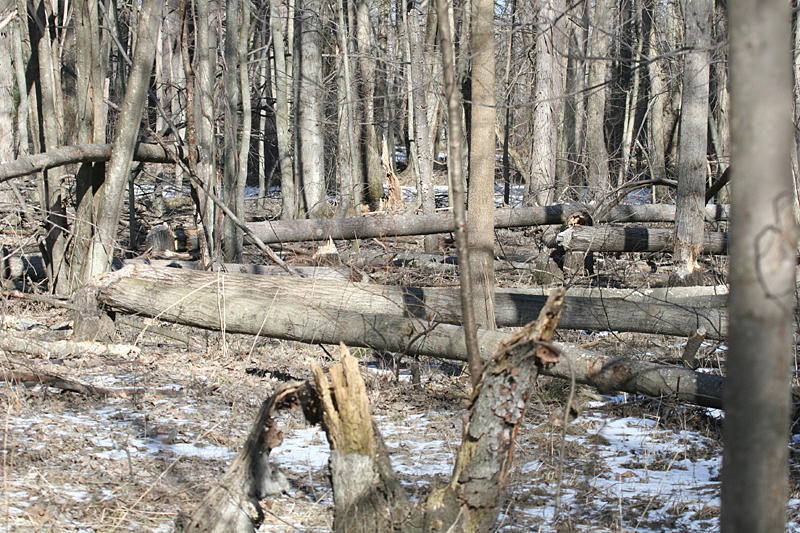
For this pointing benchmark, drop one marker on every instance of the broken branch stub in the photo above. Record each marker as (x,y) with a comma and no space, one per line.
(232,506)
(469,503)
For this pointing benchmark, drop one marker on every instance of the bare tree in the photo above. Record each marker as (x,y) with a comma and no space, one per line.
(693,139)
(283,137)
(763,260)
(107,215)
(601,18)
(480,219)
(548,101)
(309,133)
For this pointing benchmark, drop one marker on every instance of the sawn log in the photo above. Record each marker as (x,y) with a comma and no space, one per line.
(245,308)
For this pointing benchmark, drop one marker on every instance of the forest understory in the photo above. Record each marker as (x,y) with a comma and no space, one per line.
(164,422)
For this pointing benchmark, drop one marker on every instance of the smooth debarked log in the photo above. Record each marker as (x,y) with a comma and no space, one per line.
(402,225)
(596,311)
(207,306)
(630,239)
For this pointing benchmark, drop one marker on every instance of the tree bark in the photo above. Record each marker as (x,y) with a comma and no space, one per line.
(551,24)
(630,239)
(310,112)
(123,291)
(101,249)
(283,137)
(597,176)
(693,138)
(456,173)
(656,127)
(594,309)
(82,153)
(399,225)
(205,117)
(232,174)
(366,64)
(755,464)
(480,219)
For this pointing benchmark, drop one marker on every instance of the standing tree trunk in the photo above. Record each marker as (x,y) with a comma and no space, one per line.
(204,114)
(350,181)
(310,108)
(480,218)
(656,135)
(366,63)
(284,138)
(693,139)
(231,173)
(91,127)
(764,234)
(50,114)
(597,176)
(101,249)
(548,103)
(422,142)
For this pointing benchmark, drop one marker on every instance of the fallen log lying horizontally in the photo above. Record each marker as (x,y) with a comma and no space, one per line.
(142,290)
(65,155)
(592,311)
(629,239)
(398,225)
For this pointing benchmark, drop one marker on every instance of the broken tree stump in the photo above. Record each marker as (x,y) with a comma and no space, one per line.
(232,506)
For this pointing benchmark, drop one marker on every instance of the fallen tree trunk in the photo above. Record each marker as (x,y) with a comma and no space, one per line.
(584,309)
(65,155)
(251,310)
(619,239)
(400,225)
(64,349)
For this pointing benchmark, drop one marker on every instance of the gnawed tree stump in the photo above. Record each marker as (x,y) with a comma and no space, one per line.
(366,494)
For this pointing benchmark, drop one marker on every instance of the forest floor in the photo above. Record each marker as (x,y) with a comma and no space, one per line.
(132,460)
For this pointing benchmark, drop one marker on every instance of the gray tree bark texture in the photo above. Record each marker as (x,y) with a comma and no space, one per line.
(107,213)
(550,48)
(631,239)
(480,197)
(82,153)
(283,137)
(367,68)
(663,312)
(399,225)
(755,465)
(456,176)
(310,112)
(693,143)
(597,174)
(232,174)
(138,289)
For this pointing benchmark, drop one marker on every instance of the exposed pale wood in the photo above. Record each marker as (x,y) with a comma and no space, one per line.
(630,239)
(47,349)
(399,225)
(253,312)
(341,273)
(692,345)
